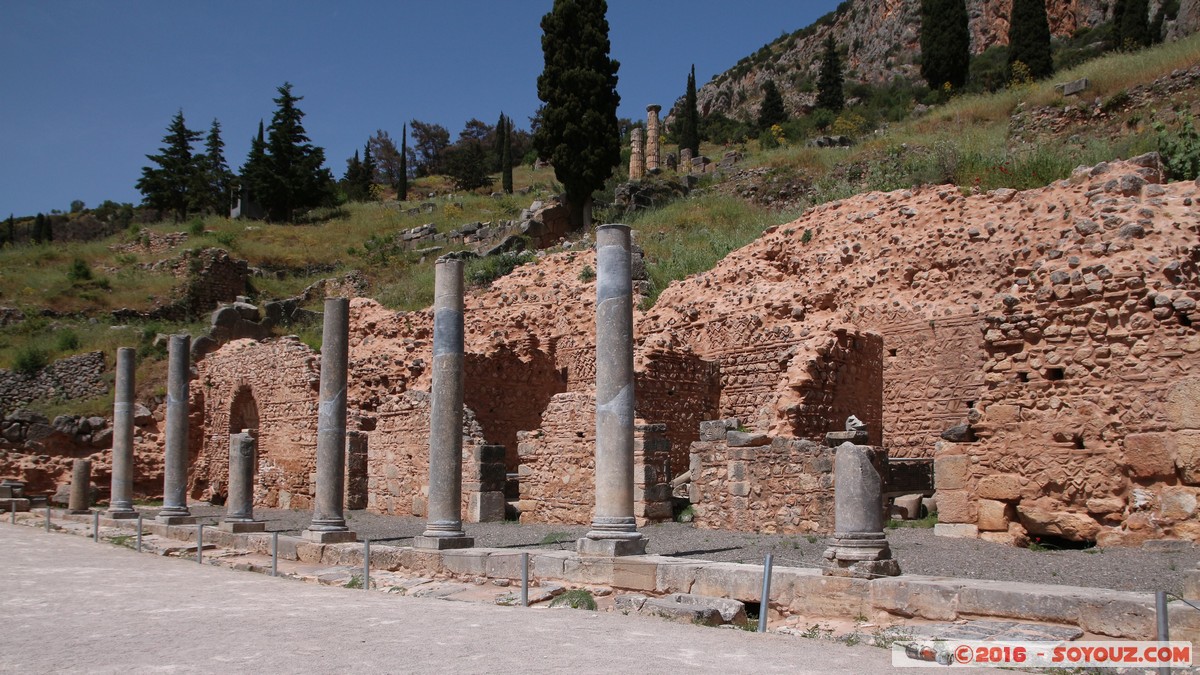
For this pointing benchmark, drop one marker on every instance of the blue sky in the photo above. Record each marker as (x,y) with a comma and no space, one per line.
(87,87)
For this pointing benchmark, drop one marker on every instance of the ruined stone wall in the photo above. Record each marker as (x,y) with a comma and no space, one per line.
(75,377)
(678,390)
(753,483)
(839,378)
(557,472)
(508,393)
(272,387)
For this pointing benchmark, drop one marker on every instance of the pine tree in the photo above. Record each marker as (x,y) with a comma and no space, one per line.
(402,187)
(578,85)
(293,178)
(506,164)
(352,179)
(689,118)
(172,186)
(254,170)
(771,112)
(38,235)
(1029,38)
(368,172)
(214,187)
(831,93)
(945,43)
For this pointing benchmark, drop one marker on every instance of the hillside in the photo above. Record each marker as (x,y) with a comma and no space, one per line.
(881,41)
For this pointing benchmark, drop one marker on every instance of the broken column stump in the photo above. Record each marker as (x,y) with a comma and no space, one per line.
(859,547)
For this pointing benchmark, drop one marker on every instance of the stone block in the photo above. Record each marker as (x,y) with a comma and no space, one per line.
(994,516)
(588,570)
(1075,87)
(442,543)
(1002,414)
(1187,457)
(951,472)
(924,597)
(961,530)
(610,547)
(713,430)
(1067,524)
(910,505)
(335,537)
(472,562)
(549,564)
(506,565)
(732,580)
(740,489)
(1149,455)
(676,576)
(954,506)
(930,505)
(808,592)
(1182,408)
(689,608)
(742,439)
(1177,503)
(1000,486)
(1191,584)
(485,507)
(638,574)
(238,527)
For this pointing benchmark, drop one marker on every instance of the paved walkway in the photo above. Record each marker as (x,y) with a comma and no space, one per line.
(70,605)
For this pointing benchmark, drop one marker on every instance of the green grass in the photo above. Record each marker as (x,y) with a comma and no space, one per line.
(578,598)
(926,522)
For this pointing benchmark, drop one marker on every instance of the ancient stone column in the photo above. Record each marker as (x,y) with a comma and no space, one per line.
(120,501)
(329,524)
(859,547)
(685,160)
(652,130)
(444,527)
(614,529)
(175,462)
(239,506)
(637,157)
(81,487)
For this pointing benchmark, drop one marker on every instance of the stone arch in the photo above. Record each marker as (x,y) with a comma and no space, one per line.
(243,411)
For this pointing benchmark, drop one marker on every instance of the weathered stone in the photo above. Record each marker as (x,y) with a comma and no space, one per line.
(1066,524)
(954,506)
(960,433)
(741,439)
(1177,503)
(1183,404)
(1187,457)
(910,505)
(1000,486)
(994,516)
(1149,455)
(121,498)
(951,472)
(81,482)
(859,547)
(961,530)
(329,523)
(175,459)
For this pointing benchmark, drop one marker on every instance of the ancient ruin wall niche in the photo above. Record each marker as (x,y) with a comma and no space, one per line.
(932,373)
(508,393)
(841,376)
(283,376)
(680,390)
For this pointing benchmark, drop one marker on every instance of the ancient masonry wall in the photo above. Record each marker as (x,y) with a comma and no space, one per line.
(841,377)
(678,390)
(75,377)
(272,387)
(1093,364)
(754,483)
(557,472)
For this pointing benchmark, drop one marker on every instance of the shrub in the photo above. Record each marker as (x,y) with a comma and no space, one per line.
(196,227)
(575,599)
(78,271)
(587,274)
(29,360)
(1180,151)
(483,271)
(66,341)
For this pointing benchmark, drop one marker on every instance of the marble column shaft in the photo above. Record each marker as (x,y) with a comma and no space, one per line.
(637,157)
(329,522)
(444,527)
(240,504)
(175,461)
(614,529)
(120,502)
(652,137)
(81,486)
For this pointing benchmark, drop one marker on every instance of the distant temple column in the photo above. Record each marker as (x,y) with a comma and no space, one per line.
(175,460)
(444,528)
(652,131)
(637,157)
(614,528)
(329,523)
(120,501)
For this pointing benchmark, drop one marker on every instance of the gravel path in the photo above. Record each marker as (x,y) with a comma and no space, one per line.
(918,550)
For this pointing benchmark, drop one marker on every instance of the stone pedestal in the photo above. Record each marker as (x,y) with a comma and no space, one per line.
(175,460)
(120,501)
(685,161)
(443,529)
(652,138)
(239,507)
(637,158)
(81,487)
(329,522)
(614,528)
(859,547)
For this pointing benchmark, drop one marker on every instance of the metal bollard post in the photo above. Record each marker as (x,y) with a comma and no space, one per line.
(524,578)
(139,538)
(764,604)
(1164,628)
(96,526)
(200,544)
(366,564)
(47,518)
(12,512)
(274,554)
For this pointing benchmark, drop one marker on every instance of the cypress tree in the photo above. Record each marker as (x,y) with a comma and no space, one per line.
(830,83)
(12,231)
(689,118)
(293,179)
(578,85)
(39,228)
(498,147)
(1029,38)
(771,112)
(255,168)
(945,43)
(215,180)
(402,186)
(368,172)
(506,163)
(352,179)
(1135,25)
(171,187)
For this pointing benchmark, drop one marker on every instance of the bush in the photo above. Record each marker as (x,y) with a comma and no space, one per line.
(1180,151)
(196,227)
(483,271)
(575,599)
(78,271)
(66,341)
(29,360)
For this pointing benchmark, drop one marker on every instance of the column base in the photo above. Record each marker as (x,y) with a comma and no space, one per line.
(175,520)
(238,526)
(443,543)
(79,512)
(611,548)
(121,515)
(329,536)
